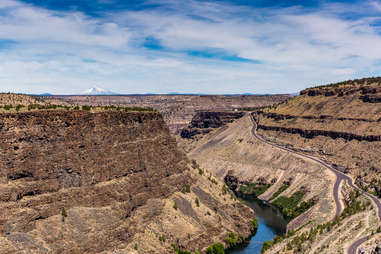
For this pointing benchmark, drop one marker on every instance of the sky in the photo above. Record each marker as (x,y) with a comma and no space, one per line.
(186,46)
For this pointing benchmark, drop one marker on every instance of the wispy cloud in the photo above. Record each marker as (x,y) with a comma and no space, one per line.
(187,46)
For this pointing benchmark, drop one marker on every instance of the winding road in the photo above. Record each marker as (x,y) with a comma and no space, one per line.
(339,178)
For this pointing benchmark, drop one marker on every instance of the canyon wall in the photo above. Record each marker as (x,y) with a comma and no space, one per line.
(81,182)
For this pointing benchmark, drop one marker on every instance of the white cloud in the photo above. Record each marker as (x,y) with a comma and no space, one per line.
(24,22)
(297,48)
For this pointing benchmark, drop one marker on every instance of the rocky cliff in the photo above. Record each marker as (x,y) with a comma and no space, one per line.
(81,182)
(204,122)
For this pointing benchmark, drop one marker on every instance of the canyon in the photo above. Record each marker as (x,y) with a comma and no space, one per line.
(162,173)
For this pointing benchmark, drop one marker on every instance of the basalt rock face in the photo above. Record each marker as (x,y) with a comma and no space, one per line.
(55,160)
(315,133)
(204,122)
(81,182)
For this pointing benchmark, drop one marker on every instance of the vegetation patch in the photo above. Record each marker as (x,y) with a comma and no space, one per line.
(63,214)
(289,206)
(178,250)
(255,226)
(254,189)
(297,243)
(232,240)
(279,191)
(216,248)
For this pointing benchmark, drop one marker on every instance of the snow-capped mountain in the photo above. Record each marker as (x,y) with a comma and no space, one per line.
(97,91)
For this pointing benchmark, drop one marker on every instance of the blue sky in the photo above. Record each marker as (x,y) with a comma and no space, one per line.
(187,46)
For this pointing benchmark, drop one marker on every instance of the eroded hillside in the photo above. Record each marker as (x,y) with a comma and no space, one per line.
(340,123)
(106,182)
(234,155)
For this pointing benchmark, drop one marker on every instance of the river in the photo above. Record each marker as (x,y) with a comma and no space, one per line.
(270,223)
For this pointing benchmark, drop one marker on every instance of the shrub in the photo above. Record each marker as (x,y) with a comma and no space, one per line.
(85,107)
(230,240)
(255,225)
(197,202)
(175,205)
(266,245)
(194,164)
(18,107)
(225,190)
(180,251)
(162,238)
(216,248)
(279,191)
(186,189)
(7,107)
(63,214)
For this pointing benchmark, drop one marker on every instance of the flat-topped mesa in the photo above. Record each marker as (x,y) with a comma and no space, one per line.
(204,122)
(88,182)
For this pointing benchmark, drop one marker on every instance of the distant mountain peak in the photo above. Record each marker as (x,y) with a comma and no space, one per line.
(97,91)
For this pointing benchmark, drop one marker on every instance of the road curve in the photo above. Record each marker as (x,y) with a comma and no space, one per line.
(339,178)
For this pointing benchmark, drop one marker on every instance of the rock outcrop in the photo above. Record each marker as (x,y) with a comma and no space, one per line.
(106,182)
(204,122)
(315,133)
